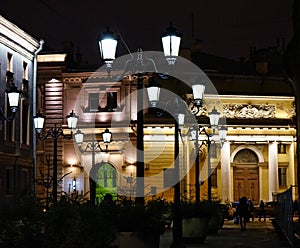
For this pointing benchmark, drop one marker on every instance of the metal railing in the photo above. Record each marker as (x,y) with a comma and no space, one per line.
(284,214)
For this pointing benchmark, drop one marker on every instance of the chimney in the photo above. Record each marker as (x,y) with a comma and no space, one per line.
(68,47)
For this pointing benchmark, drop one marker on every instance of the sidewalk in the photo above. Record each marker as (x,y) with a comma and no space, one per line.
(258,234)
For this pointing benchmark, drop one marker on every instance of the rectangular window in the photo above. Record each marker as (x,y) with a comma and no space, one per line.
(93,101)
(214,178)
(25,180)
(25,122)
(25,70)
(282,177)
(281,148)
(9,62)
(9,125)
(112,101)
(9,181)
(25,87)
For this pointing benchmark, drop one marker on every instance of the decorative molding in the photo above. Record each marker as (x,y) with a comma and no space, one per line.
(249,111)
(16,39)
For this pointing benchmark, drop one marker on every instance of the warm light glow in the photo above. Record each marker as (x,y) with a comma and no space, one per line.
(53,80)
(72,162)
(131,168)
(52,58)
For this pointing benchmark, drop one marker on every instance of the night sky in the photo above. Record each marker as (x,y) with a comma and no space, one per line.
(227,28)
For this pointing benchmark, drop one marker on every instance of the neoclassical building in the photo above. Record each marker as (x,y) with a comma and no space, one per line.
(258,158)
(18,52)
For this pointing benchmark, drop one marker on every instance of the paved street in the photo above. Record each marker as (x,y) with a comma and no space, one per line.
(258,234)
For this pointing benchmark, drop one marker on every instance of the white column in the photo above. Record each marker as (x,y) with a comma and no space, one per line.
(273,169)
(226,181)
(291,169)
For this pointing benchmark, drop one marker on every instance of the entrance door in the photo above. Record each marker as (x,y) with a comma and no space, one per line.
(246,182)
(103,180)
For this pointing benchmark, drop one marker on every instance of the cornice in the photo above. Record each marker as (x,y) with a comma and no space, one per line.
(16,39)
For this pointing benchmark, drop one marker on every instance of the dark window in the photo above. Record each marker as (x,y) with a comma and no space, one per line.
(214,178)
(8,181)
(282,177)
(111,101)
(25,180)
(93,101)
(25,119)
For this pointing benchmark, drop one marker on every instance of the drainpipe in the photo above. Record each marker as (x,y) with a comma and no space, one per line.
(34,113)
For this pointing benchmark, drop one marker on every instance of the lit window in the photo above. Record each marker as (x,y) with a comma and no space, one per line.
(282,177)
(281,148)
(93,101)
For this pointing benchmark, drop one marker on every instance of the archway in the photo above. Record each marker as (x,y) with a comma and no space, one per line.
(246,175)
(103,180)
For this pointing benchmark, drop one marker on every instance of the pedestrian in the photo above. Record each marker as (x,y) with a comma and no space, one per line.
(251,210)
(243,212)
(262,210)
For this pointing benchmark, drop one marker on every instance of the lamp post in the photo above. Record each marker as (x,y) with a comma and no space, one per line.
(13,95)
(93,146)
(171,43)
(107,44)
(55,133)
(179,116)
(214,116)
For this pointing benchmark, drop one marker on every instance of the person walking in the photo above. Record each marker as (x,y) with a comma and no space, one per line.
(243,212)
(262,210)
(251,210)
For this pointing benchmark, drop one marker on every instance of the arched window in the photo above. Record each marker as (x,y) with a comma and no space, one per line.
(103,180)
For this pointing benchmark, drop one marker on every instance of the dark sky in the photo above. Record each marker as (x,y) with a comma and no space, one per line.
(227,28)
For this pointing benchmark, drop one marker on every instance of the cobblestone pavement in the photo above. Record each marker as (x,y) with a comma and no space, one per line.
(258,234)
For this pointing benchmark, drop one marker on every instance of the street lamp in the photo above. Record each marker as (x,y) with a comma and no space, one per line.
(93,146)
(198,93)
(171,43)
(108,43)
(214,116)
(178,109)
(13,95)
(55,133)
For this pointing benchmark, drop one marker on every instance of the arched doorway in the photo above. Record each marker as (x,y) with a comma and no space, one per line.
(103,180)
(245,175)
